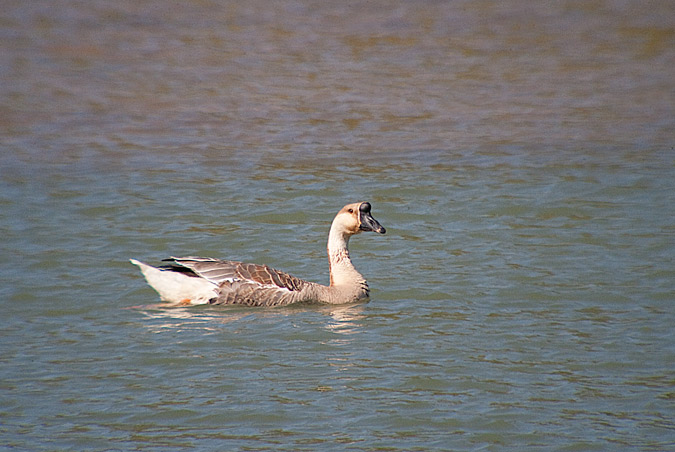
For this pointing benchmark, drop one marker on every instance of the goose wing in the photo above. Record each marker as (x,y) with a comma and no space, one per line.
(240,282)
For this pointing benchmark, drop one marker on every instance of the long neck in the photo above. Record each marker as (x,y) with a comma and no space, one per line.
(342,272)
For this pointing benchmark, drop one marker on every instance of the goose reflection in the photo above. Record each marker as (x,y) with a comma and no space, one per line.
(344,320)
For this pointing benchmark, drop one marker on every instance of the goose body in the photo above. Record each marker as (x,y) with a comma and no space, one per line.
(202,280)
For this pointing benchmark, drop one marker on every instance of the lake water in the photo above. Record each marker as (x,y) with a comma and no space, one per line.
(520,155)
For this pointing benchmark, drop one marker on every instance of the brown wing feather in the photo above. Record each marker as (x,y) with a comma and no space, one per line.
(268,276)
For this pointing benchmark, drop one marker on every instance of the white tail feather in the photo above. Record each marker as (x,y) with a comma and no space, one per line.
(177,287)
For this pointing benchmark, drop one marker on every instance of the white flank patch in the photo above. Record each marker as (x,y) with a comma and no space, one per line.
(177,287)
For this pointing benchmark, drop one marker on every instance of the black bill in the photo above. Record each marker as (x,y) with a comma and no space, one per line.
(368,223)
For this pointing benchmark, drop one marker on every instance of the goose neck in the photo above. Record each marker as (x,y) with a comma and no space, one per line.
(342,271)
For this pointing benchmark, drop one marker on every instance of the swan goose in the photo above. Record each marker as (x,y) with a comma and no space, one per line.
(204,280)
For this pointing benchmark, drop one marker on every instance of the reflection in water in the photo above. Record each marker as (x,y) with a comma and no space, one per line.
(344,319)
(176,317)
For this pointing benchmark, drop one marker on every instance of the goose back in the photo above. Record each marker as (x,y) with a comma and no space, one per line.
(244,283)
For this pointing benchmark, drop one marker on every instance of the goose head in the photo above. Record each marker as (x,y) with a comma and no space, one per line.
(355,218)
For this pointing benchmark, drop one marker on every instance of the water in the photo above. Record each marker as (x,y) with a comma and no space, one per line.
(520,156)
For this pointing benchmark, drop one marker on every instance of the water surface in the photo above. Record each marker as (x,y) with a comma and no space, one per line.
(520,156)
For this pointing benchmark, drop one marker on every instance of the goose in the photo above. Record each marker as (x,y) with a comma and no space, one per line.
(203,280)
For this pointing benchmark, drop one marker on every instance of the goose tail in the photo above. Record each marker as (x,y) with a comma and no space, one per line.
(176,287)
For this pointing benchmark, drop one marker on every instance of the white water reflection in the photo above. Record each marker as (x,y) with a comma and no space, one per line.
(176,317)
(344,320)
